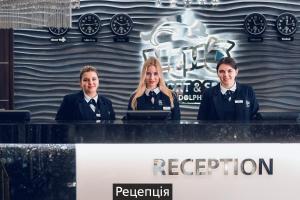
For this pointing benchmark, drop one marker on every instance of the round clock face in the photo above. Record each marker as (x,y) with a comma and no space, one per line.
(255,24)
(58,31)
(121,24)
(286,24)
(89,24)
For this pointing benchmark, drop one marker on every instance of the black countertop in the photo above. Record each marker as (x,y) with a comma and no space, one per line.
(185,131)
(39,157)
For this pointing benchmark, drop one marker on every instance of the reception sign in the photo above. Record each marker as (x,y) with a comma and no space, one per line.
(187,171)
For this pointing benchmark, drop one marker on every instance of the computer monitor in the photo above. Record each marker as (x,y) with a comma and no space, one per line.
(148,115)
(14,116)
(280,116)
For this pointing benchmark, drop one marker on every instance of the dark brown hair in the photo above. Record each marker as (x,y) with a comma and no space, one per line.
(228,61)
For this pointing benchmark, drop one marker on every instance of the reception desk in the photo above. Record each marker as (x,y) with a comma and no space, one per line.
(151,132)
(150,160)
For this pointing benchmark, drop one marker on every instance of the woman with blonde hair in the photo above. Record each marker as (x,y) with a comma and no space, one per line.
(152,92)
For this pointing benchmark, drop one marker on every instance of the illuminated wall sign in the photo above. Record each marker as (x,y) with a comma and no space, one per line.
(190,171)
(187,53)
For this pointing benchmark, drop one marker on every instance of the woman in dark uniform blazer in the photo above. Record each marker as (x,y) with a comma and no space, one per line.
(228,100)
(86,104)
(152,92)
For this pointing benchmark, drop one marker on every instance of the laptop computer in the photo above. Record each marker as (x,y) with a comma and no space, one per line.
(14,116)
(148,115)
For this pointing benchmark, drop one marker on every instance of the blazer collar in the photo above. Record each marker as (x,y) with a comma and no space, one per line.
(88,98)
(224,90)
(156,90)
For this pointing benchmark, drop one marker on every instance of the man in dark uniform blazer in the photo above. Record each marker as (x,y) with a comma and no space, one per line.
(74,107)
(87,104)
(228,100)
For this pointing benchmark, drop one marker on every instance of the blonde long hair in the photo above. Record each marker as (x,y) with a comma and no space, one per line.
(142,84)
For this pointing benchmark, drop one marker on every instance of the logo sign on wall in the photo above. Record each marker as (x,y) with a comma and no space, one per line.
(187,53)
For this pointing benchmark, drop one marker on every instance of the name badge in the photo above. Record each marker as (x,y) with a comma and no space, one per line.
(166,108)
(238,101)
(247,104)
(160,103)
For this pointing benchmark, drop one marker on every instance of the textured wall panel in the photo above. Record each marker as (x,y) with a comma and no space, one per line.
(45,71)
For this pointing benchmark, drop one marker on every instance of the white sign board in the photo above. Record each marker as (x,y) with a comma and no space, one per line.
(194,171)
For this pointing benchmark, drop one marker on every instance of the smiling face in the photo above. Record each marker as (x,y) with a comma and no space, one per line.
(89,83)
(227,74)
(152,77)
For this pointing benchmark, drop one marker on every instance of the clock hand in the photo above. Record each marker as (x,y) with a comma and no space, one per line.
(286,21)
(254,22)
(260,23)
(120,23)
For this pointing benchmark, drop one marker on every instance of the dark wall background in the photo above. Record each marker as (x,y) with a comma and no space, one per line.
(6,69)
(44,72)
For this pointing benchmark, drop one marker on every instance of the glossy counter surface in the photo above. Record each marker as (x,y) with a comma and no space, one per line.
(39,159)
(150,132)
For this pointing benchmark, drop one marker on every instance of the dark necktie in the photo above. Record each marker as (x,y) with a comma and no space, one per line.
(152,95)
(228,95)
(97,111)
(93,102)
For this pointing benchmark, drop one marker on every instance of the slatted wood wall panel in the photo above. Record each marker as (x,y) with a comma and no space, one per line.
(44,71)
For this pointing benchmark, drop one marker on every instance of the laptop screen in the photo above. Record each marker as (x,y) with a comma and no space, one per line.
(14,116)
(148,115)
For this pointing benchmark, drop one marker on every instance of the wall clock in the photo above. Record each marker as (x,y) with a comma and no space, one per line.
(286,24)
(121,24)
(58,31)
(255,24)
(89,24)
